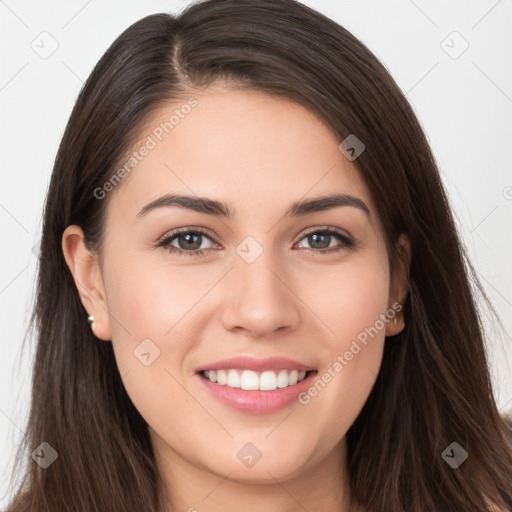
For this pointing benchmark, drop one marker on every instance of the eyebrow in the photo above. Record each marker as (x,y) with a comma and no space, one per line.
(219,209)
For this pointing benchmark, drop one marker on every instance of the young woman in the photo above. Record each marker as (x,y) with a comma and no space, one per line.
(251,291)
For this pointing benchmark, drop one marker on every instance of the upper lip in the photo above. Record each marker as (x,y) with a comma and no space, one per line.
(256,364)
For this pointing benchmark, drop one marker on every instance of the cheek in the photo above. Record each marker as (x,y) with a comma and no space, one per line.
(351,353)
(350,300)
(148,309)
(151,300)
(154,309)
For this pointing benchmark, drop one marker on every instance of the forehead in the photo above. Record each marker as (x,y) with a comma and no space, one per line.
(246,148)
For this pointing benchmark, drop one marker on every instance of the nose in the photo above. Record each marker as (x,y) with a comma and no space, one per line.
(261,299)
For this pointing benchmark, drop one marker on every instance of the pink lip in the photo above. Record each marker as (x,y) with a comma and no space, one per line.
(256,364)
(257,402)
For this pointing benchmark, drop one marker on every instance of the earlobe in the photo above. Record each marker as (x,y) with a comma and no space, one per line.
(399,286)
(84,267)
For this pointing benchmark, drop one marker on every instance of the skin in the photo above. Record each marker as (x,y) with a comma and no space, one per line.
(259,154)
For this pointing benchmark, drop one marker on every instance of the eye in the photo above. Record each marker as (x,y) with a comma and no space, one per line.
(320,241)
(191,246)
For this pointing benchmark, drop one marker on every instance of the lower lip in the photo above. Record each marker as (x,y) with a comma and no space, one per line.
(257,402)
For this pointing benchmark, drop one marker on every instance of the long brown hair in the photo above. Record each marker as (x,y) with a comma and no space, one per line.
(434,386)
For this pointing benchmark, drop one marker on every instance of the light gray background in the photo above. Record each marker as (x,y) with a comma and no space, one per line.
(464,105)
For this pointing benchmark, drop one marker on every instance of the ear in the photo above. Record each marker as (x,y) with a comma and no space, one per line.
(85,268)
(399,285)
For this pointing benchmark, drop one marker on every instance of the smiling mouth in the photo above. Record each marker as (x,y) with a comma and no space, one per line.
(250,380)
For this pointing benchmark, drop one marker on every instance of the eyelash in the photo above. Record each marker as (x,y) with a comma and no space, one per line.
(165,242)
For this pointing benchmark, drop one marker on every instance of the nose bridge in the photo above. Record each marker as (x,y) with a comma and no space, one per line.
(261,301)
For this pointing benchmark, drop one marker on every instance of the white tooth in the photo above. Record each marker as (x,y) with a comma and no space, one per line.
(249,380)
(252,381)
(282,379)
(222,378)
(233,380)
(268,381)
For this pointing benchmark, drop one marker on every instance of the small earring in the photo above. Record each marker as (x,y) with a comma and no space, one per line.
(90,319)
(395,321)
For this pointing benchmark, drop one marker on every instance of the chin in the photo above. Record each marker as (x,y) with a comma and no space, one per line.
(263,468)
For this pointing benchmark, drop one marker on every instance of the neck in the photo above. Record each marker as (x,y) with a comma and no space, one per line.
(190,488)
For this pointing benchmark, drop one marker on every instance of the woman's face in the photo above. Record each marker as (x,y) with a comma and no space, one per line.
(261,288)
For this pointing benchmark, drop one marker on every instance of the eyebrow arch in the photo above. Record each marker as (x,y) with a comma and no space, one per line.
(219,209)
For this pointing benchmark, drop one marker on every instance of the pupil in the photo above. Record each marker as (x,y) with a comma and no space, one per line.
(187,237)
(315,238)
